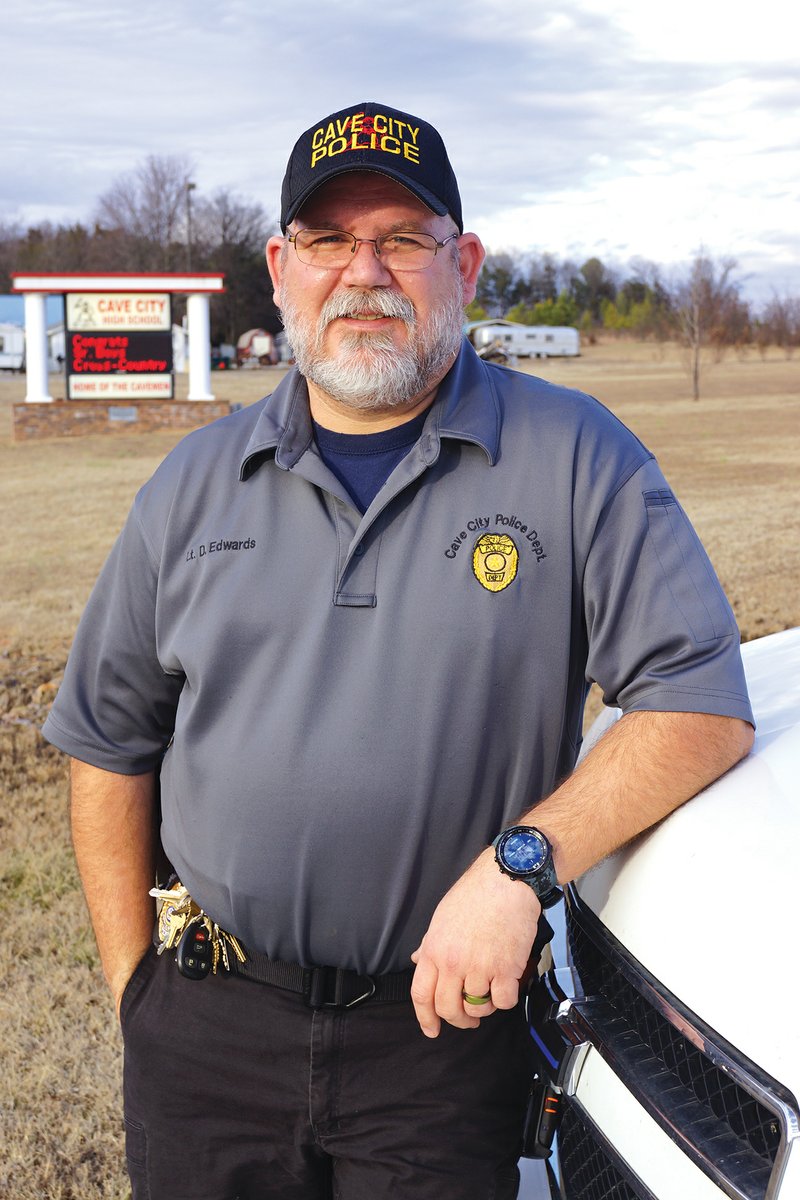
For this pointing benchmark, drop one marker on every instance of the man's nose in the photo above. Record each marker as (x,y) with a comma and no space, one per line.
(365,266)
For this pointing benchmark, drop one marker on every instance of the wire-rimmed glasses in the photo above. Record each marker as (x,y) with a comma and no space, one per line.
(405,250)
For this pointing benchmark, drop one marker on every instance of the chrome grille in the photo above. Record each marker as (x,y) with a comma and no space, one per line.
(730,1118)
(587,1170)
(750,1121)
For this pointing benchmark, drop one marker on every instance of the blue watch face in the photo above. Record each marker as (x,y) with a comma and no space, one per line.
(524,851)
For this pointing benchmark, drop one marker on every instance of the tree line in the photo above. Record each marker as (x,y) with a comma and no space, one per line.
(701,307)
(153,218)
(541,290)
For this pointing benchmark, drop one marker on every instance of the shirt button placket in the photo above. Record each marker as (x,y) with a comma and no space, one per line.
(356,571)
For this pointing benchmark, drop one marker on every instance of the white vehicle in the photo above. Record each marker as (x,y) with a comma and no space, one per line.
(526,341)
(668,1041)
(12,347)
(256,348)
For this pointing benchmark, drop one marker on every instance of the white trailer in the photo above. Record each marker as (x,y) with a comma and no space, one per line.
(527,341)
(12,347)
(56,348)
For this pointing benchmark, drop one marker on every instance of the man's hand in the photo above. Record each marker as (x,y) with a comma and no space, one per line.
(114,835)
(120,981)
(479,941)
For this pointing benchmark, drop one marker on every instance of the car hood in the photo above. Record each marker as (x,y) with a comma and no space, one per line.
(708,900)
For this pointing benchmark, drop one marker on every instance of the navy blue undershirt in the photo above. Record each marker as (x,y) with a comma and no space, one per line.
(362,462)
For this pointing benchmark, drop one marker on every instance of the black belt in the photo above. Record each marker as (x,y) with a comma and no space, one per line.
(324,987)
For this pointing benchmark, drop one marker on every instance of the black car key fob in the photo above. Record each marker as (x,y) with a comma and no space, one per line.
(195,952)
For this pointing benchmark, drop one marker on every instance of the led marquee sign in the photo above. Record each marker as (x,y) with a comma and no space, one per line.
(119,344)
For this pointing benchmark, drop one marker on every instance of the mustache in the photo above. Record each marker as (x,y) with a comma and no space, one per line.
(376,302)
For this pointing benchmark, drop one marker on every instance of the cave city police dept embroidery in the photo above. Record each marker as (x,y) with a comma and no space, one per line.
(495,555)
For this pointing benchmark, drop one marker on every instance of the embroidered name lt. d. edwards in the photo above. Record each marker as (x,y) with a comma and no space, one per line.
(221,544)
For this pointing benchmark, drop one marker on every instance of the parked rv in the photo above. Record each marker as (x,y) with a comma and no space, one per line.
(525,341)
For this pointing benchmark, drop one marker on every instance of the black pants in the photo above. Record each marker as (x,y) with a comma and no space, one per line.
(237,1091)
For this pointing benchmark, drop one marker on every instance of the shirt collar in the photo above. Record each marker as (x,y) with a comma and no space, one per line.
(466,408)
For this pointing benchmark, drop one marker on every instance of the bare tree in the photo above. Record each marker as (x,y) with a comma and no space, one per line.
(149,207)
(703,303)
(227,219)
(230,236)
(10,238)
(780,324)
(497,282)
(537,278)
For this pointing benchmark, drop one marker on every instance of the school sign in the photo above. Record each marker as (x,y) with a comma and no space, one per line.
(119,333)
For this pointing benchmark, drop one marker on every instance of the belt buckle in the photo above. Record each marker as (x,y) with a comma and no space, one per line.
(373,987)
(318,991)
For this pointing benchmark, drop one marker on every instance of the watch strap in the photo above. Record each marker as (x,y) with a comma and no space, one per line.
(544,881)
(550,898)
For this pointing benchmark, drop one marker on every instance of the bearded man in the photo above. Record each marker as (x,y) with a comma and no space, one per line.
(347,634)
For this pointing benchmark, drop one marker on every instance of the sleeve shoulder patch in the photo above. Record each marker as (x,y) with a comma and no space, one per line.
(688,575)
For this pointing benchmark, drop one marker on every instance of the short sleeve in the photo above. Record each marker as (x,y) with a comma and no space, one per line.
(661,633)
(116,706)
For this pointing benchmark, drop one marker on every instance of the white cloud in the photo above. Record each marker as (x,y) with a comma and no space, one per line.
(602,126)
(707,31)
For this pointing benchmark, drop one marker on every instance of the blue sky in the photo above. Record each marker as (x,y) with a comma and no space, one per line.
(602,127)
(12,310)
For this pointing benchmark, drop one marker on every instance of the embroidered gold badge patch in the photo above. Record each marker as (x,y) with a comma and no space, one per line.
(494,561)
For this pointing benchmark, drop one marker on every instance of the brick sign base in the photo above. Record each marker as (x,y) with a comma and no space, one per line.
(75,418)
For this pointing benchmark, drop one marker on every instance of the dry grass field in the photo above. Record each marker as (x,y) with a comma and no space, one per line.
(733,458)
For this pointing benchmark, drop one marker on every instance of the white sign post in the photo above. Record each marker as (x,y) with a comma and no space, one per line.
(36,349)
(199,322)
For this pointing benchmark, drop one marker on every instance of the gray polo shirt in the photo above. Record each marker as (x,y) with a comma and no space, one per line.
(347,708)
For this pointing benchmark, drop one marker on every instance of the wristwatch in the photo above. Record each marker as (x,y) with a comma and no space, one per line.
(524,853)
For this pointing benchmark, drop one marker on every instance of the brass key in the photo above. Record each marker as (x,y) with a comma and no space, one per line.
(176,909)
(177,912)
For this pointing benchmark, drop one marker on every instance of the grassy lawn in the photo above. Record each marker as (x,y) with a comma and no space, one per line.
(734,460)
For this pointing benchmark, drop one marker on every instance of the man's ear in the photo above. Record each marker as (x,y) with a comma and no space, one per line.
(471,255)
(274,255)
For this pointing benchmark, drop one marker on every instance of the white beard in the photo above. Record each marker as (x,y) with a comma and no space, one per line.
(369,371)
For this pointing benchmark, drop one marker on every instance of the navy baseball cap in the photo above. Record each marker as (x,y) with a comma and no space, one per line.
(372,137)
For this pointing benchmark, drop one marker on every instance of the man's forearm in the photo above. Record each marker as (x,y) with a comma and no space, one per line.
(481,933)
(113,832)
(645,766)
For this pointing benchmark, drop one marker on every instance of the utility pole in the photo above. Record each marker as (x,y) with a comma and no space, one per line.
(190,187)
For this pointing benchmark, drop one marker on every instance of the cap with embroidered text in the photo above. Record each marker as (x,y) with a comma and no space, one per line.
(372,137)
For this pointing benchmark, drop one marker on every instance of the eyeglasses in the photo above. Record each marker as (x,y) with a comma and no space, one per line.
(333,249)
